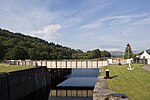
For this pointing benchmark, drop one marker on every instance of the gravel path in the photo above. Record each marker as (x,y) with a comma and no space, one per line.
(146,67)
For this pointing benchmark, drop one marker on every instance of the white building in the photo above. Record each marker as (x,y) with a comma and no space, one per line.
(110,61)
(146,55)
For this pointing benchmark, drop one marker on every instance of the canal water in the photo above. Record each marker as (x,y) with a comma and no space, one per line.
(78,85)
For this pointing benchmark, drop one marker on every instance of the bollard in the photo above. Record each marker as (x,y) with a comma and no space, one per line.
(107,73)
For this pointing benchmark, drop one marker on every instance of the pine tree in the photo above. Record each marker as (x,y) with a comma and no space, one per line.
(128,51)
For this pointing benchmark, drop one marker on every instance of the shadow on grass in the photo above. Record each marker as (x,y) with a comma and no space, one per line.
(111,77)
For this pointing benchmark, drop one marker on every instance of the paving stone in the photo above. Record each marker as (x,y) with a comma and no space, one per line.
(146,67)
(102,92)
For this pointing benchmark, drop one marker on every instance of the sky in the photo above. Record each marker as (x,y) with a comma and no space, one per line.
(81,24)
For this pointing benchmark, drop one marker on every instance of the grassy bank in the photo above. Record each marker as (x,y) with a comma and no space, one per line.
(135,84)
(10,68)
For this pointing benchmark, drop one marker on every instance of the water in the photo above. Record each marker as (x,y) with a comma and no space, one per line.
(78,85)
(84,72)
(78,82)
(80,78)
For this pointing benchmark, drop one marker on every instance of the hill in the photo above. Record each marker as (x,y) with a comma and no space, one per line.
(18,46)
(116,53)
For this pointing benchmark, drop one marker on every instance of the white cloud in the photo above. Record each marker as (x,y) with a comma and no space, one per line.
(143,21)
(110,47)
(92,8)
(115,20)
(49,32)
(121,17)
(81,15)
(25,16)
(72,22)
(91,26)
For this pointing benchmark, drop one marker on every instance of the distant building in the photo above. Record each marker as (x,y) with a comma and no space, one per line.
(117,61)
(145,55)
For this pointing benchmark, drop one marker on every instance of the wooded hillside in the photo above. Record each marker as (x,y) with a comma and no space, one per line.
(18,46)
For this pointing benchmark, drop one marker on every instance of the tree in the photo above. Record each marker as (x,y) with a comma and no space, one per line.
(32,54)
(1,51)
(128,51)
(105,54)
(94,54)
(17,53)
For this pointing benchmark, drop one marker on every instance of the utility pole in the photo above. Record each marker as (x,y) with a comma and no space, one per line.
(128,53)
(122,47)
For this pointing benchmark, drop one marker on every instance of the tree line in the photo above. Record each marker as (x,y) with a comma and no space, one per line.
(18,46)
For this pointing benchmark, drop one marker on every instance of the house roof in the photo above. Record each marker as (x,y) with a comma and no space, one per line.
(145,54)
(148,51)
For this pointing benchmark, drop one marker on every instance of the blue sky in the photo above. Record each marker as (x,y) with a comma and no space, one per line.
(81,24)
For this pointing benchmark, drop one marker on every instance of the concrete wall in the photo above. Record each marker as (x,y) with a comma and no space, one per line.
(65,64)
(3,87)
(15,85)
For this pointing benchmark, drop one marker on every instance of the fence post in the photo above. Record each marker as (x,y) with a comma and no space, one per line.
(66,64)
(76,64)
(81,64)
(86,64)
(71,63)
(97,63)
(41,62)
(56,63)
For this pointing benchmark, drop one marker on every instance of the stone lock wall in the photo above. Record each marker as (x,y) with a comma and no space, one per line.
(15,85)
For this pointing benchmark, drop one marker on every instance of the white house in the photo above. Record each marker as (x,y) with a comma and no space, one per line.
(145,55)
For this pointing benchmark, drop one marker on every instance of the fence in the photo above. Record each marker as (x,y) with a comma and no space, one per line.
(63,64)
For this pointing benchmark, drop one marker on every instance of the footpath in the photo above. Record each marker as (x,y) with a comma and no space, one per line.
(146,67)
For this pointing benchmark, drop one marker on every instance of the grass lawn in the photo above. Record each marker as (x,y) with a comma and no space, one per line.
(135,84)
(10,68)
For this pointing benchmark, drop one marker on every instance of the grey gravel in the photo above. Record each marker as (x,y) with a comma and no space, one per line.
(146,67)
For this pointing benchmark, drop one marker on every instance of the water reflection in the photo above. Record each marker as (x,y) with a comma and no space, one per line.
(80,78)
(78,85)
(70,98)
(76,82)
(84,72)
(71,93)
